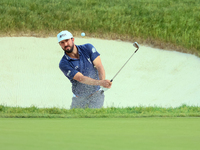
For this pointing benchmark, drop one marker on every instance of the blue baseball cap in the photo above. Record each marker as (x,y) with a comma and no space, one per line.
(64,35)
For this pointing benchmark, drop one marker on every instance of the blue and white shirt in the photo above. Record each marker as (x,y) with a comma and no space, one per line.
(70,66)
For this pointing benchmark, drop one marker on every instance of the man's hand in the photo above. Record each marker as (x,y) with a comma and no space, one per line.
(106,83)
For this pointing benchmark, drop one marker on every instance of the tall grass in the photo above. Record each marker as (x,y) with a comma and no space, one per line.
(162,23)
(129,112)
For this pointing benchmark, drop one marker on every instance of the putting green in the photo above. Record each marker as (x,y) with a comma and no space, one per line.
(98,134)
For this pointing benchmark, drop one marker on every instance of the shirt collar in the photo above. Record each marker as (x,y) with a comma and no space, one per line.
(69,58)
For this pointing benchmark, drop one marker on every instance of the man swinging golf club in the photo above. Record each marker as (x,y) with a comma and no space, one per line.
(81,64)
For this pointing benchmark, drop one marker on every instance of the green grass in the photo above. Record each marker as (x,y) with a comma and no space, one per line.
(100,134)
(129,112)
(163,23)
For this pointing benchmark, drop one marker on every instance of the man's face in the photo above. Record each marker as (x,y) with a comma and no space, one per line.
(67,45)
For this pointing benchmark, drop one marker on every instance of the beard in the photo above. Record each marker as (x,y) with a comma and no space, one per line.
(70,50)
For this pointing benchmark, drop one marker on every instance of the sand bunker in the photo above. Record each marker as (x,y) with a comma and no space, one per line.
(30,74)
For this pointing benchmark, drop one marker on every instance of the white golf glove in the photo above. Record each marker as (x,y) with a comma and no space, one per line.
(103,89)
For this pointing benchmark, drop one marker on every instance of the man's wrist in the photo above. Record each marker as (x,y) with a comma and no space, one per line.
(99,82)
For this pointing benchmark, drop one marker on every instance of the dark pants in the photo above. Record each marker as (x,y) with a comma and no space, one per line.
(96,100)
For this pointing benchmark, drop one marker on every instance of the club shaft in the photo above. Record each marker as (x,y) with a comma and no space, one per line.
(124,65)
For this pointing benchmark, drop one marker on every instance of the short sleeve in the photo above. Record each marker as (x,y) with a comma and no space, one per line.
(92,52)
(68,71)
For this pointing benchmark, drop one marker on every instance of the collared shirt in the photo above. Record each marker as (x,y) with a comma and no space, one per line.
(70,66)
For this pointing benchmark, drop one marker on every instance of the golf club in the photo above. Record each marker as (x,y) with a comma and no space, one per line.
(136,45)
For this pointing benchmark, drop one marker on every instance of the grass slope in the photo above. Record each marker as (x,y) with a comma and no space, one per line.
(162,23)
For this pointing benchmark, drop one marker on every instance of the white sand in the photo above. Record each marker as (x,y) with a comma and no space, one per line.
(30,74)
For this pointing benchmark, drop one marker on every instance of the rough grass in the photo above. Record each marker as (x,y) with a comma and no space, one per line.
(129,112)
(161,23)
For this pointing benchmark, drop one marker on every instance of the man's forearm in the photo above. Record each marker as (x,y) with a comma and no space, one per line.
(86,80)
(89,81)
(101,73)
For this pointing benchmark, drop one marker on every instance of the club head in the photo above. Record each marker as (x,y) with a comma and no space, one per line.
(136,45)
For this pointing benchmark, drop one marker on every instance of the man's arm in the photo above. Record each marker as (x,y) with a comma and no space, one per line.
(87,80)
(97,63)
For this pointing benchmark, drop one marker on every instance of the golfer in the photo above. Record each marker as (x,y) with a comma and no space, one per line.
(81,64)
